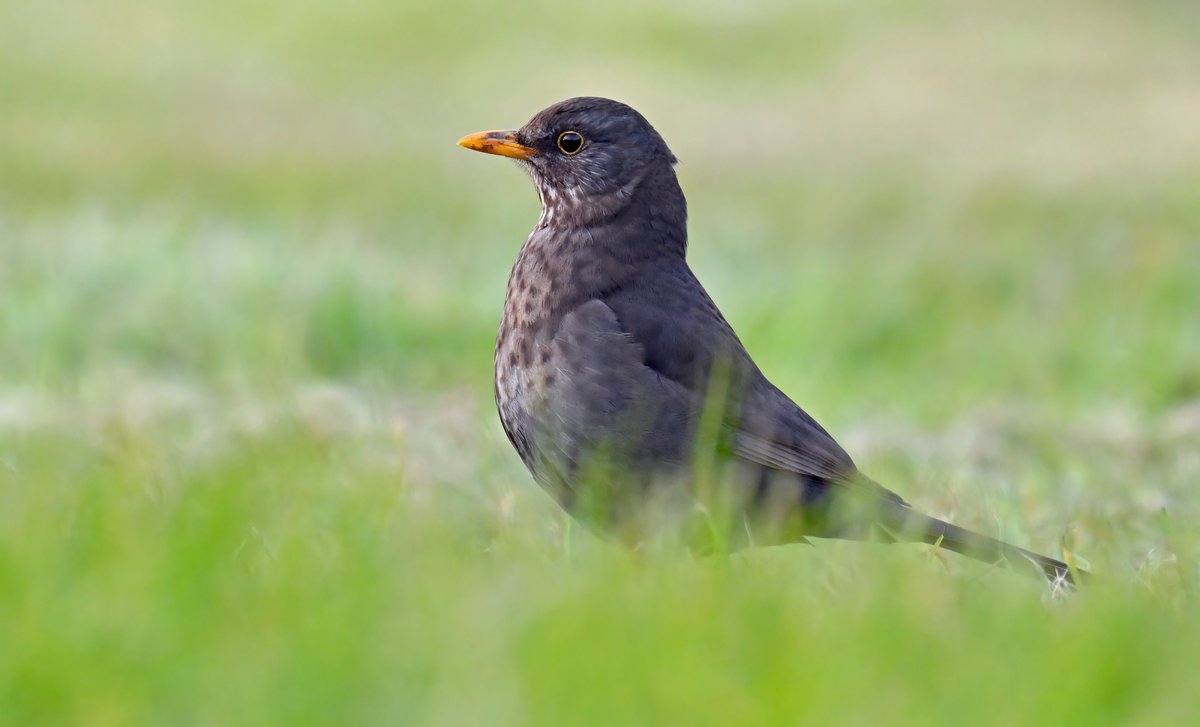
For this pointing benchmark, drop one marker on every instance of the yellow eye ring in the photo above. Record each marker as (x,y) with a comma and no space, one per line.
(570,142)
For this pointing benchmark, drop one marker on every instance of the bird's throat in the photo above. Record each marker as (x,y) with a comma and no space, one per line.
(644,219)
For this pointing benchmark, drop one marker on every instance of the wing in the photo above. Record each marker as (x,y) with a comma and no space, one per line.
(601,396)
(684,338)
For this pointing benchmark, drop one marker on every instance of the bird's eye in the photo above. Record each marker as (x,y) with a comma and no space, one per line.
(570,142)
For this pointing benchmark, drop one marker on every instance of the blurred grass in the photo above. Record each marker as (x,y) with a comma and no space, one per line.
(249,470)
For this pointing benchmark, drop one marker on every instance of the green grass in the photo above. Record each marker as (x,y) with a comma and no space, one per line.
(249,467)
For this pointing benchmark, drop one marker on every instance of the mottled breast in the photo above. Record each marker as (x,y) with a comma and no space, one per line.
(524,367)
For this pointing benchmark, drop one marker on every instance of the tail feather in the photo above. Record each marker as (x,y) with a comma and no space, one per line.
(981,547)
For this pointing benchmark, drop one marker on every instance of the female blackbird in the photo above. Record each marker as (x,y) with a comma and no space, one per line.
(626,392)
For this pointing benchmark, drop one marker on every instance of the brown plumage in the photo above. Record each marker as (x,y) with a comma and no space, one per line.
(616,373)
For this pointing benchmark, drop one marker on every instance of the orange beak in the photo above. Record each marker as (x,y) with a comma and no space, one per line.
(503,143)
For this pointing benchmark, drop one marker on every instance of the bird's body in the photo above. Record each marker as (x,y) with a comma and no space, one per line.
(617,376)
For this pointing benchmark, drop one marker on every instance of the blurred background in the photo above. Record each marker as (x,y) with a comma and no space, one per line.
(249,290)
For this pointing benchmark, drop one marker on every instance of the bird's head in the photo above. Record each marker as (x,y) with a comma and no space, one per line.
(588,157)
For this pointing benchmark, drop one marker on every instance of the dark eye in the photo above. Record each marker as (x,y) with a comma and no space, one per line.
(570,142)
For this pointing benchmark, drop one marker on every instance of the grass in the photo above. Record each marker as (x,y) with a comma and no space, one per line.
(249,467)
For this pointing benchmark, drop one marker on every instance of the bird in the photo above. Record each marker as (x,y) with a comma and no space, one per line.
(626,392)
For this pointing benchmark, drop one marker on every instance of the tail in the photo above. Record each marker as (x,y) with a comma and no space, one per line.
(951,537)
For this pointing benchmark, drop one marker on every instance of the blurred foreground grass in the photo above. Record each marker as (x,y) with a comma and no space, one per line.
(249,470)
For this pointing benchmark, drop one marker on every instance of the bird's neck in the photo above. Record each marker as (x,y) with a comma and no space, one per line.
(663,207)
(644,219)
